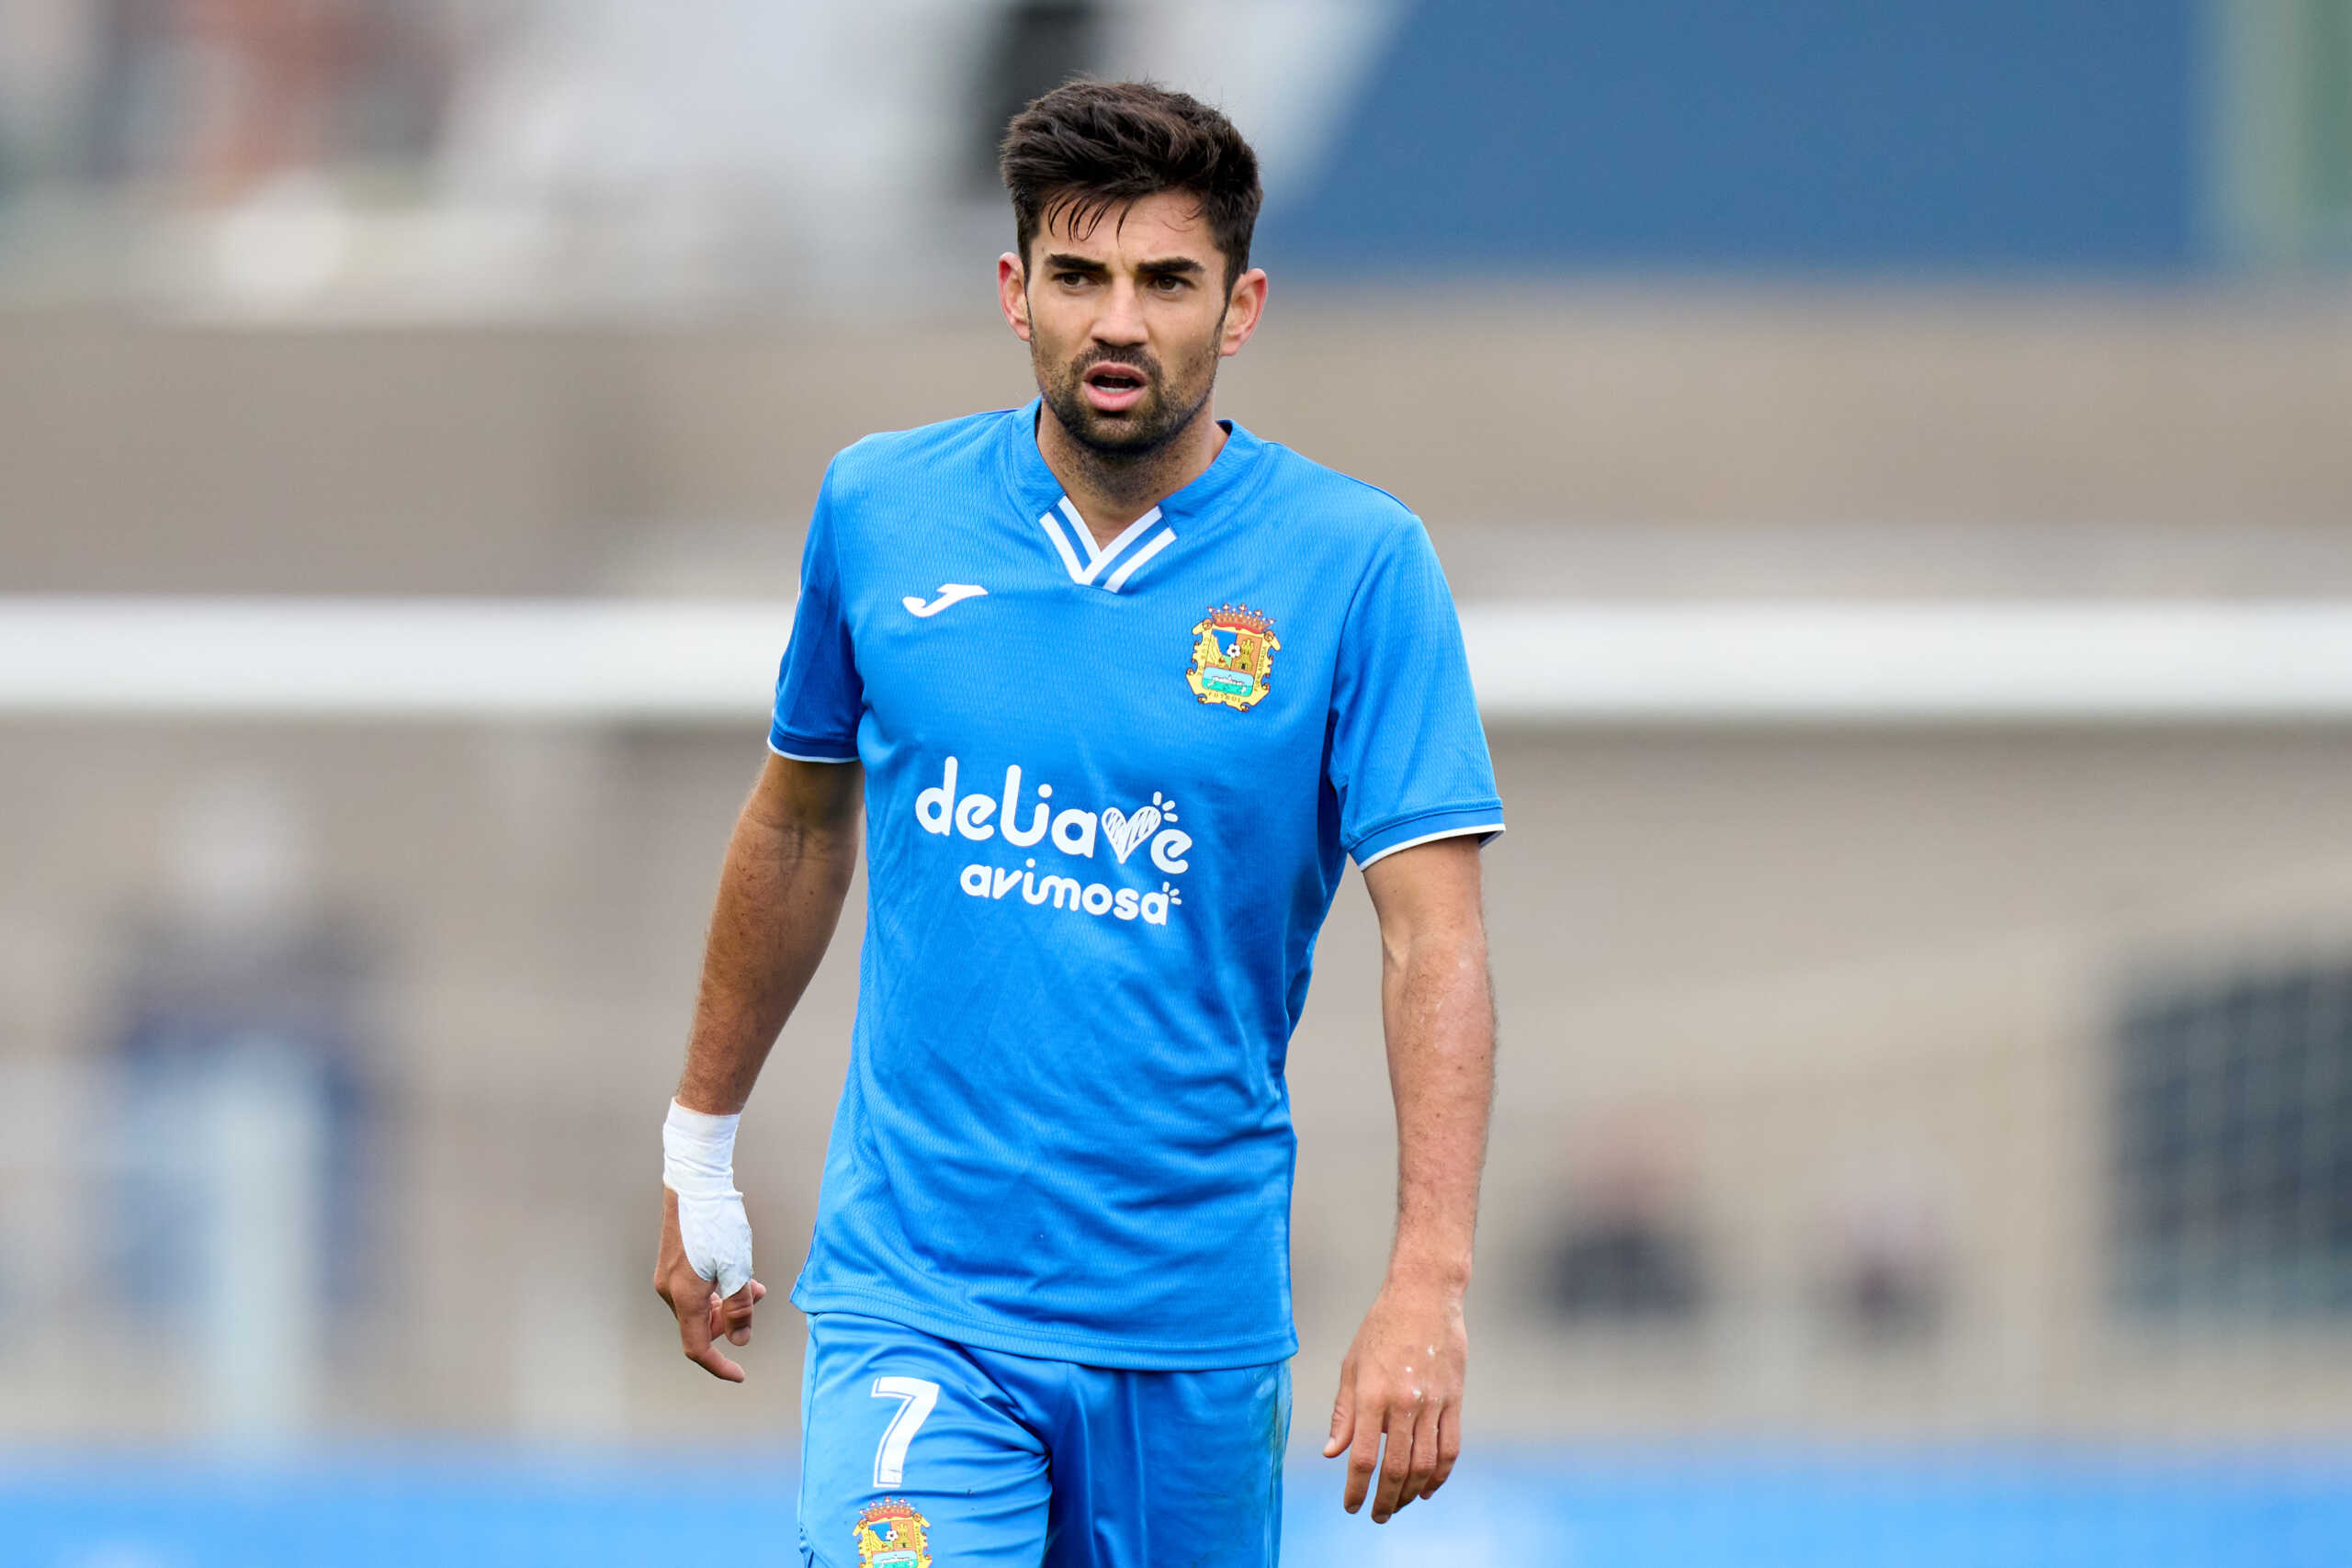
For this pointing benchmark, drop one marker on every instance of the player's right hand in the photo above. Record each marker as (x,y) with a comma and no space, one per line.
(704,1315)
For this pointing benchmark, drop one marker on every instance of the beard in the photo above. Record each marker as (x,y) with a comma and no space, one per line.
(1166,408)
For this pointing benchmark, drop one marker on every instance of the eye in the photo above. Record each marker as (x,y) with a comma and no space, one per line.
(1070,279)
(1168,282)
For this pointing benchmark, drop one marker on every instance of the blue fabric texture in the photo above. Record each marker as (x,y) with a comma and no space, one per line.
(1110,793)
(916,1445)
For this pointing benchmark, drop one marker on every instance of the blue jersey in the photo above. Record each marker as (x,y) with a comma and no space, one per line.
(1109,794)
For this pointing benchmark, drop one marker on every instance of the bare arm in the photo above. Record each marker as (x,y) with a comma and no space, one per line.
(787,870)
(1403,1376)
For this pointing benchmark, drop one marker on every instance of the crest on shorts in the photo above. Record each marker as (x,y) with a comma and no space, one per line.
(890,1534)
(1233,656)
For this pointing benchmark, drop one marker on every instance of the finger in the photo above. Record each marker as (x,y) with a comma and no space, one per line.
(1449,1445)
(1343,1411)
(695,1336)
(723,1324)
(716,1365)
(1423,1464)
(735,1312)
(1363,1456)
(1396,1460)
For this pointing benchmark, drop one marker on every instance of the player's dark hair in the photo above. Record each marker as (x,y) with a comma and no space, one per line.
(1087,147)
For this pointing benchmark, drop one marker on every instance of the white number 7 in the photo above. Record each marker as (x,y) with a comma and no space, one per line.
(916,1397)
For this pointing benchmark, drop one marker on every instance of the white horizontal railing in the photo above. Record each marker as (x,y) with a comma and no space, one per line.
(1550,661)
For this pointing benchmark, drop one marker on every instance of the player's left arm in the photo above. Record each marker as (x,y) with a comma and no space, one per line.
(1402,1378)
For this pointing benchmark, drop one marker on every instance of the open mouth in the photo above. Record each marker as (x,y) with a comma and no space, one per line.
(1111,388)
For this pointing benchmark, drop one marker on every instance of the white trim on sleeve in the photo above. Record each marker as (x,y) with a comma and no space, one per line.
(797,757)
(1490,828)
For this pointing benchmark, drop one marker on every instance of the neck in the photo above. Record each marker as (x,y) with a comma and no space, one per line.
(1111,491)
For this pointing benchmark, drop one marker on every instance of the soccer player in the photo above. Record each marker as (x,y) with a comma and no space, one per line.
(1118,686)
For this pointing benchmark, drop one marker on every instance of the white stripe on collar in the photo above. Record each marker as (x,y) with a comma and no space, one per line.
(1070,526)
(1160,542)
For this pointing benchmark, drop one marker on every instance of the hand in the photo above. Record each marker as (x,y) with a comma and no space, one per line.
(1403,1378)
(704,1316)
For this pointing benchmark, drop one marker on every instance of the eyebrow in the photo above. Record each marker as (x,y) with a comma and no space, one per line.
(1062,261)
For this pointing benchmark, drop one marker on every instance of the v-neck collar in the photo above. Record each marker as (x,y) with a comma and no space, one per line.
(1108,567)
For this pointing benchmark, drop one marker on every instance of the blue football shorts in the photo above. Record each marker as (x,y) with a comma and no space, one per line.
(918,1452)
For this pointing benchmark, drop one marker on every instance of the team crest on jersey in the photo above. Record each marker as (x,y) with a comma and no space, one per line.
(1233,656)
(890,1534)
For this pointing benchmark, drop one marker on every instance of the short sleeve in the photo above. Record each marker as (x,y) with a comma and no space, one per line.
(1409,760)
(819,697)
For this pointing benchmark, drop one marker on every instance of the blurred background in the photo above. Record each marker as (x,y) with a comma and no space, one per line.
(1896,462)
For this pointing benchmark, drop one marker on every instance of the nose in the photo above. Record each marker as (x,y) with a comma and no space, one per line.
(1121,322)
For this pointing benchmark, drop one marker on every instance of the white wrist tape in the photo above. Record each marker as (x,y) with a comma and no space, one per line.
(698,1164)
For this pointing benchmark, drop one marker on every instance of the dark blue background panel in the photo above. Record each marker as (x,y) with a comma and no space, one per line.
(1518,136)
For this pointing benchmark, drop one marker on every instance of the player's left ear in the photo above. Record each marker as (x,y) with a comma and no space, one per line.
(1012,294)
(1242,310)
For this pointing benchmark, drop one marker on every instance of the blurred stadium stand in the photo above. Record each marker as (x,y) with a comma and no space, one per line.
(1921,1142)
